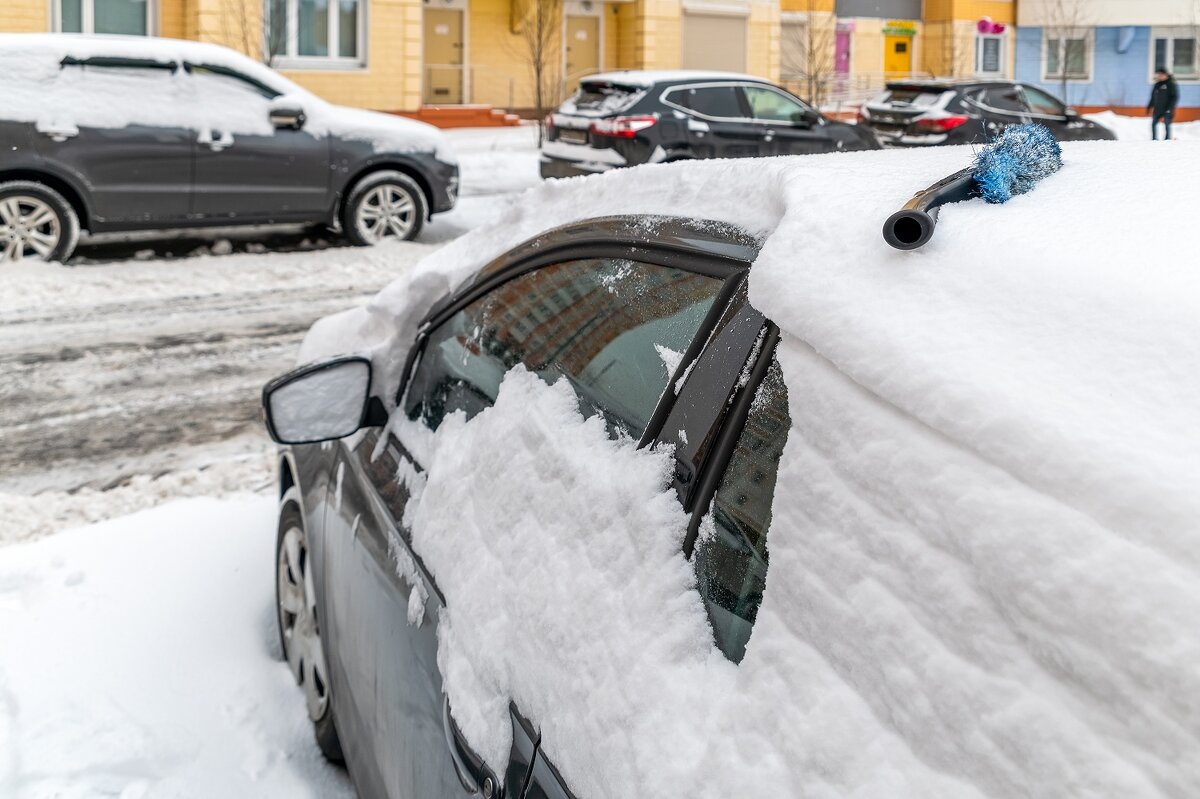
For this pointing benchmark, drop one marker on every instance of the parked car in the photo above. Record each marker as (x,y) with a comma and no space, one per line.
(639,117)
(923,113)
(614,512)
(117,133)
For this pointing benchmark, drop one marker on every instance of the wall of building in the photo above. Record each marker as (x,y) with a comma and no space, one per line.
(1109,12)
(24,16)
(1119,79)
(883,9)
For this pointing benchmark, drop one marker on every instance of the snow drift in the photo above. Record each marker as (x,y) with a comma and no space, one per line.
(986,541)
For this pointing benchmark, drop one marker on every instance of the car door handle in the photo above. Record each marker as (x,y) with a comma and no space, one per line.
(59,133)
(218,144)
(769,136)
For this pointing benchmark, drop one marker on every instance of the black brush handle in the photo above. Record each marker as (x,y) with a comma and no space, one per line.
(912,226)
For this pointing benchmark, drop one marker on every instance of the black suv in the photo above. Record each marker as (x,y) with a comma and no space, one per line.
(630,118)
(922,113)
(133,133)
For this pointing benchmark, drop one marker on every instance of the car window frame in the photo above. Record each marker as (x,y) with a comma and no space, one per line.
(1038,114)
(738,86)
(974,98)
(782,93)
(219,71)
(729,271)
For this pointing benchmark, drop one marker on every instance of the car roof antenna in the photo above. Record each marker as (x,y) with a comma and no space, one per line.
(1011,165)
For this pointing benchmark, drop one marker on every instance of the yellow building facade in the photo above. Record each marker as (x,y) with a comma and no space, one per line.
(400,55)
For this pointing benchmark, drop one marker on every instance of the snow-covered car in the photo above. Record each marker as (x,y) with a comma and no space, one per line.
(682,482)
(119,133)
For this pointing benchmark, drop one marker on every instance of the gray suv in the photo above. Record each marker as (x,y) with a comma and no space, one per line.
(133,133)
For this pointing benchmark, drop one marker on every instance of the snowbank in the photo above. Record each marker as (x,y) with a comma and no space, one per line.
(1138,128)
(986,540)
(138,660)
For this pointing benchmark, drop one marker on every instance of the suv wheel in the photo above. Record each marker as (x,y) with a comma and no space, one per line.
(36,223)
(384,205)
(299,630)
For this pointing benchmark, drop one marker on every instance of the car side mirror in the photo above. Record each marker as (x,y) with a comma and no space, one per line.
(1071,114)
(806,118)
(321,402)
(287,117)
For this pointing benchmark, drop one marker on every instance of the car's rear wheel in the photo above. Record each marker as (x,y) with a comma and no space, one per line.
(36,223)
(299,629)
(384,205)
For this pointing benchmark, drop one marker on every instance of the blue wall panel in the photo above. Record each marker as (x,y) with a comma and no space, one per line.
(1118,78)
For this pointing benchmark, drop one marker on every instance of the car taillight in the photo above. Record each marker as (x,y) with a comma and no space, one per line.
(939,124)
(622,127)
(549,123)
(863,115)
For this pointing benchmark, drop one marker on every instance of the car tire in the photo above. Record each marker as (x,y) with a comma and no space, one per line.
(384,205)
(36,223)
(299,631)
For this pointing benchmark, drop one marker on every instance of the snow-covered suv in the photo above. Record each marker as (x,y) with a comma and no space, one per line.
(682,483)
(113,133)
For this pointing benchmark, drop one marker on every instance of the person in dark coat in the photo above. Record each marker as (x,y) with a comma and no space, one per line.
(1163,99)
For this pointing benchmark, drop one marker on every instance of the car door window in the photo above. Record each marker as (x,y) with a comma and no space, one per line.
(615,328)
(230,79)
(1042,103)
(719,102)
(772,106)
(1006,99)
(731,552)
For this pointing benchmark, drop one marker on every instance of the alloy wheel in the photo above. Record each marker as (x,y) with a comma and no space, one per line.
(298,621)
(29,228)
(387,210)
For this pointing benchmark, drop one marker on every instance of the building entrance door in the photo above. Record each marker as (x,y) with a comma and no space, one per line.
(443,84)
(897,55)
(583,47)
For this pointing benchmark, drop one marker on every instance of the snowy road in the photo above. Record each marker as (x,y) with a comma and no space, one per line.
(116,372)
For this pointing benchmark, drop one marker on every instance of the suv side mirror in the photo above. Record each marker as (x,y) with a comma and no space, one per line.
(287,117)
(1071,114)
(806,118)
(321,402)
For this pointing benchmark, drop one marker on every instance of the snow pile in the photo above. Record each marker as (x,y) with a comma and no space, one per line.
(139,659)
(1138,128)
(37,88)
(986,539)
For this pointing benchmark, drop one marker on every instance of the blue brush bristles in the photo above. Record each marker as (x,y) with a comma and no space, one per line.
(1011,165)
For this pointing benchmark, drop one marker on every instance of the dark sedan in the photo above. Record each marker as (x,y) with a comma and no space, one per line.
(634,117)
(924,113)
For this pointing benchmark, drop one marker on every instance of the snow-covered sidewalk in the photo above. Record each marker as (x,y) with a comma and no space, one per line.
(139,658)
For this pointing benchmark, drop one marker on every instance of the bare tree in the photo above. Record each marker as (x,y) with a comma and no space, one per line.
(957,55)
(259,32)
(807,52)
(540,42)
(1066,36)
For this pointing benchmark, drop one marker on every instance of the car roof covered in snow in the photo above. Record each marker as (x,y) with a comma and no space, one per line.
(15,47)
(646,78)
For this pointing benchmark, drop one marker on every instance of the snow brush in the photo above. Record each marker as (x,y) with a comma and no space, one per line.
(1011,165)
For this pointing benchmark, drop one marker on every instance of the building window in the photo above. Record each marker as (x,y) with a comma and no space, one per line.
(1068,57)
(1177,51)
(321,33)
(989,55)
(103,16)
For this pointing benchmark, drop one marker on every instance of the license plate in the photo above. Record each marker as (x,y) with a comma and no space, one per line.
(573,136)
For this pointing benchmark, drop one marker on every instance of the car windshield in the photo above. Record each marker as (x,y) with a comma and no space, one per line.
(917,97)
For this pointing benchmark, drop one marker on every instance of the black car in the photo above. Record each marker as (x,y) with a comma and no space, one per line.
(923,113)
(629,118)
(133,133)
(589,303)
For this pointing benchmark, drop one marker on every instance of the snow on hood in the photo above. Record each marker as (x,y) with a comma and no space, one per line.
(985,547)
(38,93)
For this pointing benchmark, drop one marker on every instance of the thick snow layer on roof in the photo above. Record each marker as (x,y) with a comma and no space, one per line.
(37,88)
(649,77)
(985,553)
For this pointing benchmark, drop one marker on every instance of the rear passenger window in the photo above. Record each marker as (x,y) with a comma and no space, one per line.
(712,101)
(731,552)
(614,328)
